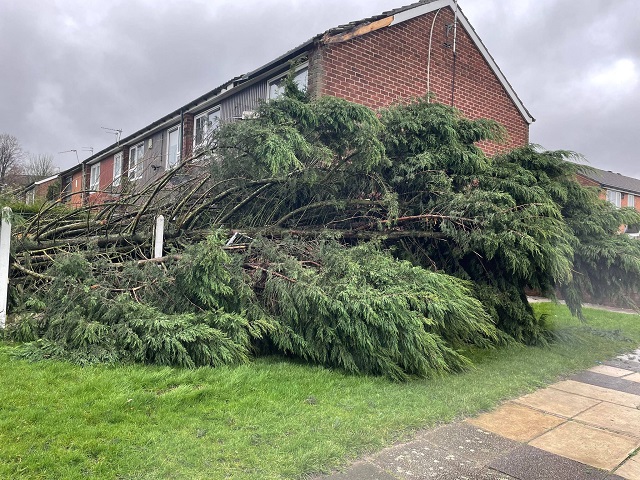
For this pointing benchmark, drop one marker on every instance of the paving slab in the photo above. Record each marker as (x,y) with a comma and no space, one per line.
(516,422)
(613,417)
(625,364)
(611,371)
(361,471)
(586,444)
(634,377)
(422,460)
(630,469)
(598,393)
(607,381)
(474,474)
(628,361)
(470,442)
(530,463)
(557,402)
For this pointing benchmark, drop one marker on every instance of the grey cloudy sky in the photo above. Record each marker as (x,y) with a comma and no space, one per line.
(70,67)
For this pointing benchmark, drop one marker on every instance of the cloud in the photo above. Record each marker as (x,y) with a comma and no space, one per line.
(621,77)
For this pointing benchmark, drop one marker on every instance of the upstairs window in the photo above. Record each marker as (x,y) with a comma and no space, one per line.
(301,79)
(94,183)
(631,200)
(136,158)
(204,124)
(117,169)
(614,197)
(173,147)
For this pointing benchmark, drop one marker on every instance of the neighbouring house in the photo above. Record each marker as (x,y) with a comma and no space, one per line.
(620,190)
(428,46)
(41,190)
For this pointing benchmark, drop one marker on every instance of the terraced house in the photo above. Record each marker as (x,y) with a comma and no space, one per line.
(620,190)
(428,46)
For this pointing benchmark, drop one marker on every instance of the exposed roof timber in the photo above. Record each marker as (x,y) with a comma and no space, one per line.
(369,27)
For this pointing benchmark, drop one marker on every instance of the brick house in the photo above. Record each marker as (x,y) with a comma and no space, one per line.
(428,46)
(620,190)
(40,190)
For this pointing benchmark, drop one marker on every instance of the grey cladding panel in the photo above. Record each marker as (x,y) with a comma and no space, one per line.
(244,101)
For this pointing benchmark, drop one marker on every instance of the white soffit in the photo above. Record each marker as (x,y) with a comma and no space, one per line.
(430,7)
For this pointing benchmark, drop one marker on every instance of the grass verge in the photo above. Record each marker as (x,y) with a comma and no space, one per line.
(272,419)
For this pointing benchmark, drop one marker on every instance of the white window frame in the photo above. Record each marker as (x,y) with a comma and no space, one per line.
(31,197)
(207,128)
(136,161)
(178,130)
(117,169)
(275,87)
(631,200)
(614,197)
(94,181)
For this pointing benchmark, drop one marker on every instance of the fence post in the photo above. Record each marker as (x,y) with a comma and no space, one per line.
(159,237)
(5,249)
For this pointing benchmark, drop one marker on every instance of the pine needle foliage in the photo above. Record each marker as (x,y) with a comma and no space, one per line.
(376,242)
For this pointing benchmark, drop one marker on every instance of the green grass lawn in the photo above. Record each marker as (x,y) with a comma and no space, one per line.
(272,419)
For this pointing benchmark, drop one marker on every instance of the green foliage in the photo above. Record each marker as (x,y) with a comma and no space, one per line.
(87,320)
(357,308)
(434,247)
(366,312)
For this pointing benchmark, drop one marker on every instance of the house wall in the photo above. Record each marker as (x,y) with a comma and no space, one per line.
(602,192)
(246,100)
(105,191)
(153,159)
(77,196)
(390,64)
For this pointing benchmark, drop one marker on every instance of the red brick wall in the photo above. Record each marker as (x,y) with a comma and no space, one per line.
(76,189)
(106,179)
(187,136)
(389,64)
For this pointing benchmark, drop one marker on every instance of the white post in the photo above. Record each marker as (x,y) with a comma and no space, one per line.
(5,249)
(159,240)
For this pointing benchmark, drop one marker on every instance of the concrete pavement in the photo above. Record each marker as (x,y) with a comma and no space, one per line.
(585,427)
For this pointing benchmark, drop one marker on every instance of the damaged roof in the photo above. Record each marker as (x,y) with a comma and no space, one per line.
(384,19)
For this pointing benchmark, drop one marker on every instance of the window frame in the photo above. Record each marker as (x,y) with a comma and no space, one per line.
(206,132)
(614,197)
(177,129)
(135,171)
(275,80)
(631,200)
(117,169)
(94,178)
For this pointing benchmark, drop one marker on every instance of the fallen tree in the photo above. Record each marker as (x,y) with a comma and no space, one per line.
(352,227)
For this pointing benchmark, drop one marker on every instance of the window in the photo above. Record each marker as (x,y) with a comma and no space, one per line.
(631,200)
(614,197)
(301,79)
(205,124)
(94,183)
(136,158)
(117,169)
(31,197)
(173,147)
